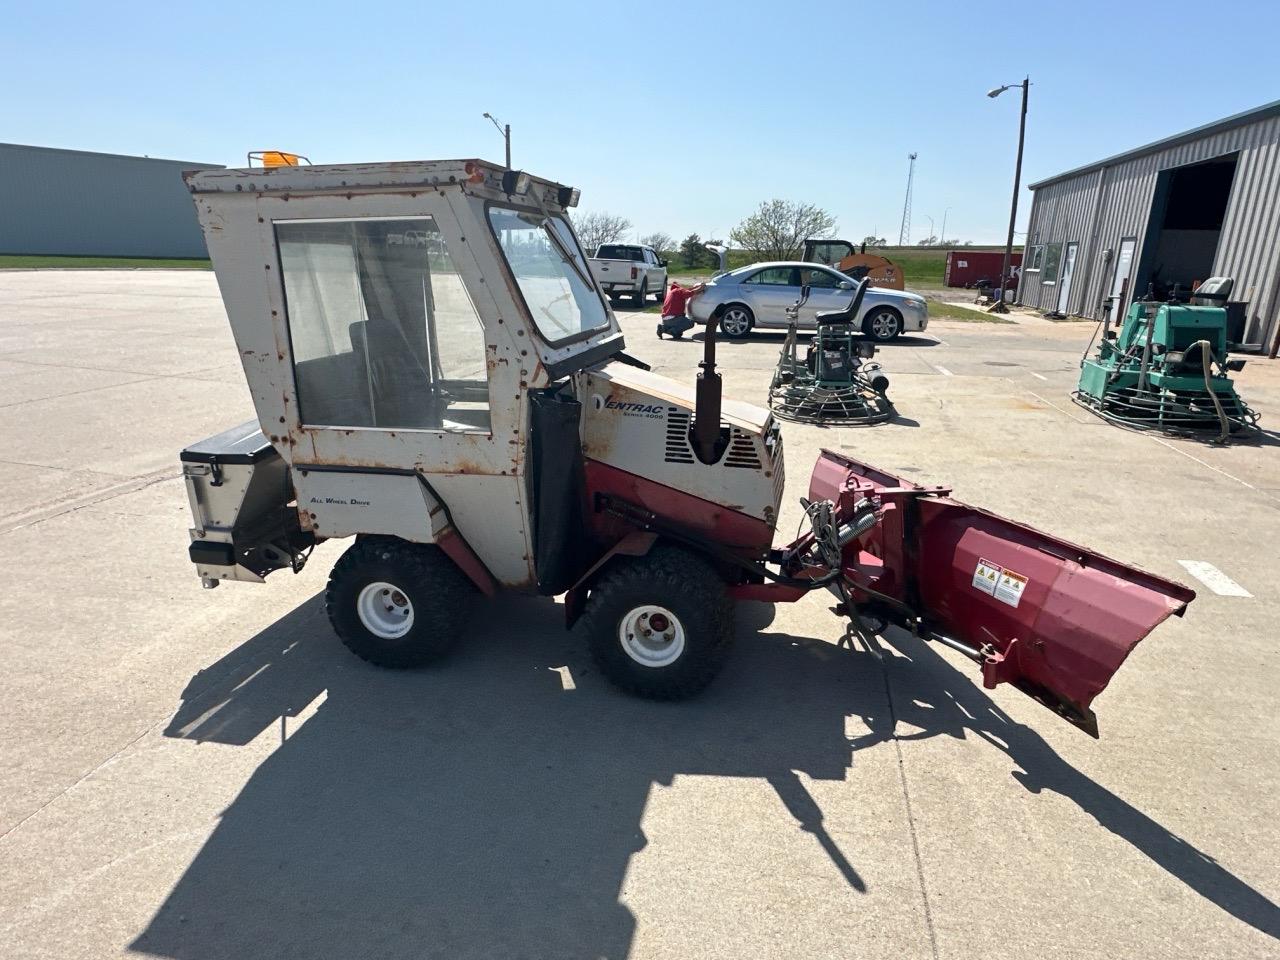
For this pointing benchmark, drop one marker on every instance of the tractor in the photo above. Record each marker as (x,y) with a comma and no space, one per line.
(436,376)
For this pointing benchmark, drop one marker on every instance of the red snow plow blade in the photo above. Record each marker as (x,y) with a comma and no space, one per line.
(1054,619)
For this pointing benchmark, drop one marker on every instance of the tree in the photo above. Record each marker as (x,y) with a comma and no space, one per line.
(871,240)
(661,242)
(778,228)
(693,253)
(594,229)
(927,242)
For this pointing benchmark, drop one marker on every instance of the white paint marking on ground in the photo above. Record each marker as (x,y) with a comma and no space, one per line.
(1214,579)
(1061,410)
(1243,483)
(1038,375)
(566,678)
(942,370)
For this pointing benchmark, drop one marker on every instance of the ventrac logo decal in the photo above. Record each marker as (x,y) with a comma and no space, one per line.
(649,411)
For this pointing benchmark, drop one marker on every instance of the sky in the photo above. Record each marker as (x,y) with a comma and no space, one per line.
(681,117)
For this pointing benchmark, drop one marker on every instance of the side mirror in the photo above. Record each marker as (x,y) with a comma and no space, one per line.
(844,285)
(662,263)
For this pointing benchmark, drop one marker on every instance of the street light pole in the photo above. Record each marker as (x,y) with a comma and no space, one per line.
(999,306)
(931,230)
(943,238)
(505,130)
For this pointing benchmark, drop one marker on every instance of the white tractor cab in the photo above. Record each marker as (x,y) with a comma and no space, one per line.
(436,374)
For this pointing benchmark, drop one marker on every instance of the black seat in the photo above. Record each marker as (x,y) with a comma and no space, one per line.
(850,313)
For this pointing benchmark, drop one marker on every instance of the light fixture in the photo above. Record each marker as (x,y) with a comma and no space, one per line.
(990,93)
(515,182)
(568,196)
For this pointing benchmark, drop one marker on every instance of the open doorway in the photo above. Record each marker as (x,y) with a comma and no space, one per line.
(1187,211)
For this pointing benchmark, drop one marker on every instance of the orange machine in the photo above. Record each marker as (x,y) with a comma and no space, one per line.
(855,262)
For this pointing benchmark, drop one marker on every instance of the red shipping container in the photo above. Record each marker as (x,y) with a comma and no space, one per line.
(966,267)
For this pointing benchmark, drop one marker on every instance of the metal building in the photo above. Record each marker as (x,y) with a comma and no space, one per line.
(70,202)
(1200,204)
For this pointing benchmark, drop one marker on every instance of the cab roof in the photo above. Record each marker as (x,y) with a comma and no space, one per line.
(481,177)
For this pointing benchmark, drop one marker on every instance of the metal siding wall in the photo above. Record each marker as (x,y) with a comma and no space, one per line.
(93,204)
(1248,250)
(1060,214)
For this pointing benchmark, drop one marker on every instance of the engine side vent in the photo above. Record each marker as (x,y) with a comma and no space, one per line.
(742,452)
(678,449)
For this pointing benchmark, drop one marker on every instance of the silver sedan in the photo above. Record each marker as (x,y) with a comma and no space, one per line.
(758,296)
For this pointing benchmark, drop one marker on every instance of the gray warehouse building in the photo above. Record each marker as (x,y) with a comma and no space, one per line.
(74,203)
(1200,204)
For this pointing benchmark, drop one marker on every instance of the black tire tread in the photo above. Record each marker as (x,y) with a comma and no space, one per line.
(686,585)
(435,585)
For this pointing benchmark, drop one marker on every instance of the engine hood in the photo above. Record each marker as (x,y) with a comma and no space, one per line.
(747,417)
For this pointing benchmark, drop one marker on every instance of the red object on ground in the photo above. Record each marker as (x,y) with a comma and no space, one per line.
(1054,619)
(965,267)
(677,299)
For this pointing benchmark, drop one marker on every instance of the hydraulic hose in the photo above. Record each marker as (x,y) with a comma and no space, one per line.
(1205,353)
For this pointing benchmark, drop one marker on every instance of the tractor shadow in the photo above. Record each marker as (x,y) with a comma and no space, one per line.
(491,807)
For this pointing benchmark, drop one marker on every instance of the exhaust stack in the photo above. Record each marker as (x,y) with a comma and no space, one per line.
(705,433)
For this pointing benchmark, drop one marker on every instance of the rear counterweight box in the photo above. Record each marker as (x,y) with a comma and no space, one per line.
(239,489)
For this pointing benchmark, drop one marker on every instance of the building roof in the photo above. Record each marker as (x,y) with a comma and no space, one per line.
(96,153)
(1263,112)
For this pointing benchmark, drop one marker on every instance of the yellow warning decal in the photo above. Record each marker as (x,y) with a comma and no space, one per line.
(1009,587)
(986,577)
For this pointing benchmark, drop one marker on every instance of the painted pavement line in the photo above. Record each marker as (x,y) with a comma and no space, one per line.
(1214,579)
(1039,375)
(942,370)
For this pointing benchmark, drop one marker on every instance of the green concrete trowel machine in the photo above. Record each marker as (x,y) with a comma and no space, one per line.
(1167,369)
(836,383)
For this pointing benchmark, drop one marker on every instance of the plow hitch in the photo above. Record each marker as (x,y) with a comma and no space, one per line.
(1053,619)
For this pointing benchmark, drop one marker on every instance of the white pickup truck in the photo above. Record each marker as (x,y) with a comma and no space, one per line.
(631,269)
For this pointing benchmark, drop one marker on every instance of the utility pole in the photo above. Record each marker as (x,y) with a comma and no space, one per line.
(904,234)
(999,306)
(505,130)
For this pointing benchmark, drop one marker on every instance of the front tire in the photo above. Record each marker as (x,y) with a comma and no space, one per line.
(397,604)
(882,324)
(659,626)
(737,321)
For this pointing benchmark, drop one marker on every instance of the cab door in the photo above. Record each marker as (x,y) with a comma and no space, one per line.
(398,417)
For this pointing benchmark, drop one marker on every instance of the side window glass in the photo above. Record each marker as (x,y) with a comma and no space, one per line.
(383,331)
(774,277)
(819,279)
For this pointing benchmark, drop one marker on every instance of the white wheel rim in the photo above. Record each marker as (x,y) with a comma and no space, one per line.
(884,324)
(734,322)
(652,636)
(385,610)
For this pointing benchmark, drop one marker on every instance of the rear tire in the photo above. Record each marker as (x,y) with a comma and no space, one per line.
(642,294)
(737,321)
(659,626)
(397,604)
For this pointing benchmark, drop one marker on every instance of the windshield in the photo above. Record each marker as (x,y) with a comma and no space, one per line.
(550,270)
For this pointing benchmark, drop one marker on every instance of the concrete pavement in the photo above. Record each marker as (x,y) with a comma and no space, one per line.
(196,774)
